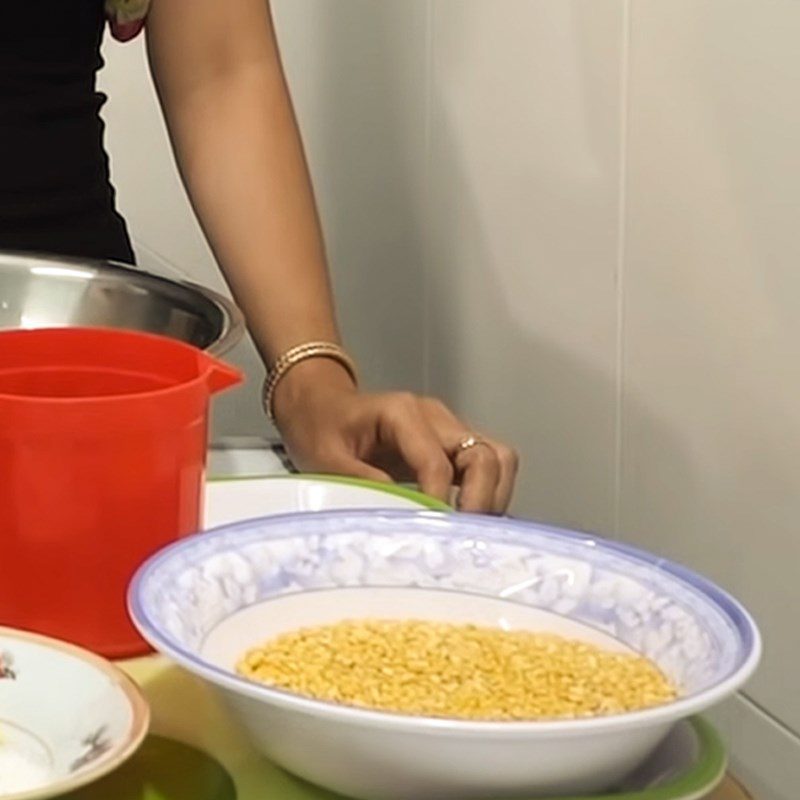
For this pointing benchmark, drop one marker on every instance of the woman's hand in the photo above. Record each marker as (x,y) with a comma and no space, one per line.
(329,426)
(219,77)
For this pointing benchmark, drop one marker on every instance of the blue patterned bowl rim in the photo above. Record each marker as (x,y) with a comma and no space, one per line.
(459,525)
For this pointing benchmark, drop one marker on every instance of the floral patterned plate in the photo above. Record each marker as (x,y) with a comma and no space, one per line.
(66,716)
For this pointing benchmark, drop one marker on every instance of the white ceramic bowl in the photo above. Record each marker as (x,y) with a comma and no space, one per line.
(67,717)
(205,600)
(232,500)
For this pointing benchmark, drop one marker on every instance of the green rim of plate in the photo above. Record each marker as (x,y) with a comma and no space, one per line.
(163,769)
(696,782)
(398,490)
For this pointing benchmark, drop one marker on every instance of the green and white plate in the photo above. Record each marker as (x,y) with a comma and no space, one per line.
(687,766)
(230,500)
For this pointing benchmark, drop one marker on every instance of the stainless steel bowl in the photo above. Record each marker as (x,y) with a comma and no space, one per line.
(50,291)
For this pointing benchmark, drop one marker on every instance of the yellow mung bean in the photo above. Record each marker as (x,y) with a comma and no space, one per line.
(456,671)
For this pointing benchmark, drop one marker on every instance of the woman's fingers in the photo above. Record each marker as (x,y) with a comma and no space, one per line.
(404,436)
(508,461)
(479,472)
(486,470)
(334,455)
(342,463)
(405,427)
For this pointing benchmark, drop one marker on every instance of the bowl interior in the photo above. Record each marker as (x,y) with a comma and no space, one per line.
(255,578)
(64,714)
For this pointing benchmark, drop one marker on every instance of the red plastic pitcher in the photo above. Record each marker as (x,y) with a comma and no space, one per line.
(103,438)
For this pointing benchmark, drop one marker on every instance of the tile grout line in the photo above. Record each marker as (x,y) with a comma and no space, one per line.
(426,201)
(139,245)
(622,210)
(769,716)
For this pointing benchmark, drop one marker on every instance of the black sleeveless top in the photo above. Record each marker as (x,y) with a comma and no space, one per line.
(55,192)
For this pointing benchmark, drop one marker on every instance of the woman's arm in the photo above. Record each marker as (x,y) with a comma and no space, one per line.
(219,77)
(222,88)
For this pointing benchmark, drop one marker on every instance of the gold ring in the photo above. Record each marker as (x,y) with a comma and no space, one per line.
(468,442)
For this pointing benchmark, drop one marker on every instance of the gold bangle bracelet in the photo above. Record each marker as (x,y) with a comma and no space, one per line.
(295,356)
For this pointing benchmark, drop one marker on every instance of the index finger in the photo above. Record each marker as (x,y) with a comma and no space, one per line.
(404,426)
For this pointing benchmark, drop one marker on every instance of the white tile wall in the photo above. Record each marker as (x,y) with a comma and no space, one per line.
(357,69)
(764,751)
(711,424)
(577,220)
(524,175)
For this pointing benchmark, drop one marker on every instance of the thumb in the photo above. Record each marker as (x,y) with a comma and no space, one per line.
(353,467)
